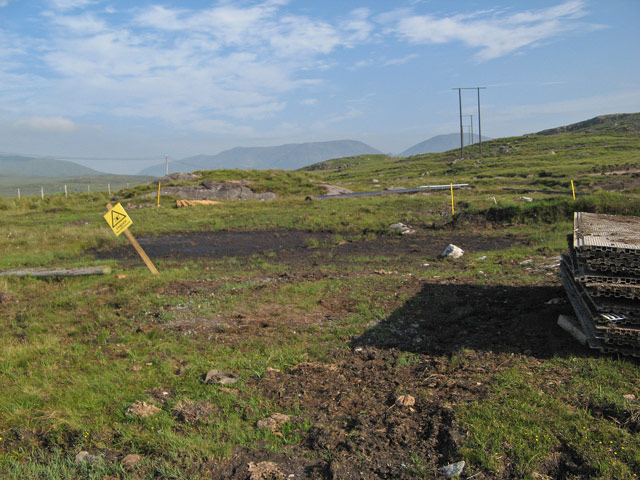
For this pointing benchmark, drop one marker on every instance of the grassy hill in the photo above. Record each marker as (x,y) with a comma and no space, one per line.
(290,156)
(75,184)
(603,158)
(17,165)
(357,352)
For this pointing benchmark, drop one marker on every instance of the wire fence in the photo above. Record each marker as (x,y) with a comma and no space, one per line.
(64,189)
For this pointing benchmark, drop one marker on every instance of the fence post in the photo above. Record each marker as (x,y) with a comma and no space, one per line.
(18,194)
(65,191)
(109,188)
(42,192)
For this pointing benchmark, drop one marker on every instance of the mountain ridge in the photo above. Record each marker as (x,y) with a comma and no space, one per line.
(290,156)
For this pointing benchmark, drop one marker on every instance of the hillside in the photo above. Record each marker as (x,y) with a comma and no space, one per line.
(617,123)
(598,154)
(288,157)
(16,165)
(440,143)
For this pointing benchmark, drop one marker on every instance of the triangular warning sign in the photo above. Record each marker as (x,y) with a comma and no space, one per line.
(116,218)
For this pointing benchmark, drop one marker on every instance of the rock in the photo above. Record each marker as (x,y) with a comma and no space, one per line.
(484,257)
(555,301)
(526,262)
(131,461)
(176,177)
(526,199)
(142,409)
(86,457)
(405,401)
(452,251)
(552,152)
(374,180)
(452,470)
(220,377)
(273,370)
(402,228)
(630,397)
(264,471)
(274,422)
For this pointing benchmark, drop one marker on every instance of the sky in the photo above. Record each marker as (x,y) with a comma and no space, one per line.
(117,85)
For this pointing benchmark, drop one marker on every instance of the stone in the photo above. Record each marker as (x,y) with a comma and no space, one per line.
(219,377)
(176,177)
(402,228)
(453,469)
(131,461)
(86,457)
(142,409)
(274,422)
(452,251)
(264,471)
(405,401)
(630,397)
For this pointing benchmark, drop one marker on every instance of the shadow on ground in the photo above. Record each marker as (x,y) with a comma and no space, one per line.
(443,319)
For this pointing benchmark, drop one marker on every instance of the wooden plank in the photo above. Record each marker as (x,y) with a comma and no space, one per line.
(56,272)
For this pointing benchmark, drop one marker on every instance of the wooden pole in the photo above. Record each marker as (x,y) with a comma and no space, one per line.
(88,188)
(56,272)
(453,211)
(573,190)
(145,258)
(159,193)
(109,188)
(41,192)
(65,191)
(18,194)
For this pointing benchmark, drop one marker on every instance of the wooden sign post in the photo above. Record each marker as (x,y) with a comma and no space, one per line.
(120,222)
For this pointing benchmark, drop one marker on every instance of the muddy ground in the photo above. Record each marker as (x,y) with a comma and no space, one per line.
(293,246)
(442,347)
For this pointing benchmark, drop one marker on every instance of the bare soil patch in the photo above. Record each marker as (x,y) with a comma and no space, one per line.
(290,246)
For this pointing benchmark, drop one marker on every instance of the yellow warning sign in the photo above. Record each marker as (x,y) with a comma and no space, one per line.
(118,219)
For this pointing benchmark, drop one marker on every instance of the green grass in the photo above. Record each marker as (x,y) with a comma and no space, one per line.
(76,352)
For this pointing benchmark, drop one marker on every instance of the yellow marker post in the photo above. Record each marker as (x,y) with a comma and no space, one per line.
(453,211)
(120,222)
(159,193)
(573,190)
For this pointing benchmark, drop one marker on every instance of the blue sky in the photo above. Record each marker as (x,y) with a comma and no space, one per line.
(137,80)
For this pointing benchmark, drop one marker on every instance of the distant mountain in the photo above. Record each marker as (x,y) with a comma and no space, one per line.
(289,157)
(16,165)
(624,123)
(441,143)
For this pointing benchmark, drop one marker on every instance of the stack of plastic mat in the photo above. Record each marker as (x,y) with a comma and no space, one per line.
(601,275)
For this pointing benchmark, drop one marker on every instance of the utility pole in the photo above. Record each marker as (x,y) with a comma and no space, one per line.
(166,164)
(461,132)
(470,142)
(479,122)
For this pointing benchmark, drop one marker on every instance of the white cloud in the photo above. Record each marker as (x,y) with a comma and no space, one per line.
(309,102)
(47,124)
(70,4)
(495,34)
(4,3)
(400,61)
